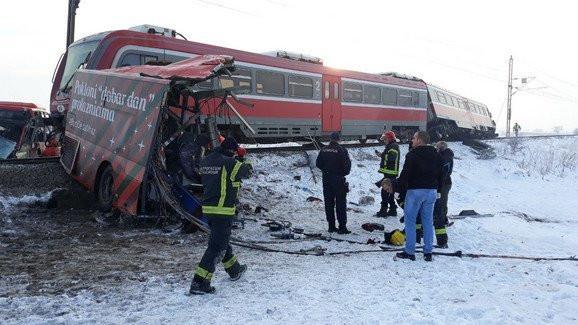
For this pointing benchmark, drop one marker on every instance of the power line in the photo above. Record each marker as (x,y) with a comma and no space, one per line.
(229,8)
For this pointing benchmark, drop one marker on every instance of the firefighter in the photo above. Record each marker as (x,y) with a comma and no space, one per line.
(221,175)
(389,167)
(334,162)
(441,207)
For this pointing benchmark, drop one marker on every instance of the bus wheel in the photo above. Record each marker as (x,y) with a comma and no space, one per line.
(105,190)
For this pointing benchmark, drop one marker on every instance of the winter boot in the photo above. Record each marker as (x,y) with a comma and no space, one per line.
(427,257)
(239,272)
(332,228)
(200,288)
(382,213)
(343,230)
(392,213)
(441,238)
(405,255)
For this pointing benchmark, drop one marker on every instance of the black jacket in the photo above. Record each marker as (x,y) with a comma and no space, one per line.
(447,165)
(389,165)
(334,160)
(422,169)
(221,176)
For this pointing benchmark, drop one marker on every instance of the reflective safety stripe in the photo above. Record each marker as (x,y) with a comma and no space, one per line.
(203,273)
(385,170)
(238,165)
(230,262)
(223,187)
(441,231)
(418,226)
(236,184)
(218,210)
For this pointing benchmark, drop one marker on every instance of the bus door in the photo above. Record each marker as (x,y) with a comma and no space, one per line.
(331,104)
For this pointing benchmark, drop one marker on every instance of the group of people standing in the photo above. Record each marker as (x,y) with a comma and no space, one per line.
(423,186)
(424,182)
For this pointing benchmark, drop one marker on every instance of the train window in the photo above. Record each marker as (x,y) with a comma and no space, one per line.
(389,96)
(130,60)
(414,99)
(240,78)
(452,100)
(461,104)
(301,87)
(441,97)
(372,95)
(270,83)
(352,92)
(327,90)
(207,84)
(335,90)
(404,97)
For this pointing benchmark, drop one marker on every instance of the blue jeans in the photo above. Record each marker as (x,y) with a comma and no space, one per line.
(422,201)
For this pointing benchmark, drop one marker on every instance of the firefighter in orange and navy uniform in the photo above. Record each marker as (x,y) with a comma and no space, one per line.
(221,176)
(389,167)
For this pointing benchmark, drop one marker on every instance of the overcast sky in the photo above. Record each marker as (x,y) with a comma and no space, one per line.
(463,46)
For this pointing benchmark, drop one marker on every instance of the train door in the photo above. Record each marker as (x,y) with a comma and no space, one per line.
(331,104)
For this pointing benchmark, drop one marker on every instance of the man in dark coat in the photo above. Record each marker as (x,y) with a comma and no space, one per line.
(221,175)
(421,175)
(334,162)
(441,208)
(389,167)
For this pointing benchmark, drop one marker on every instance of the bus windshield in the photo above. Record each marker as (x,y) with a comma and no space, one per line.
(76,56)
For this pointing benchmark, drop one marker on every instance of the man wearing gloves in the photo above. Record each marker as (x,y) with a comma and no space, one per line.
(221,175)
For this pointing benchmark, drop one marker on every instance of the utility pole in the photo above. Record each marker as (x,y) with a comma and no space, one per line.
(510,76)
(72,6)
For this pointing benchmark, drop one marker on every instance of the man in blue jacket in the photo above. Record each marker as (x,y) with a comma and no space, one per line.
(221,176)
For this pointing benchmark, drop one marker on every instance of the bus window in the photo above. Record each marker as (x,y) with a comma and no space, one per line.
(76,56)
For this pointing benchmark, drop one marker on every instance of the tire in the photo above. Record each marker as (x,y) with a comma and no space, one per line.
(105,190)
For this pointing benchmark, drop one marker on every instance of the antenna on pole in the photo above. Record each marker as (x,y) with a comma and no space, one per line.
(509,115)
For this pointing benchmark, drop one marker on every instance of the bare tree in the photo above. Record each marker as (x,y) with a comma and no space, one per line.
(557,129)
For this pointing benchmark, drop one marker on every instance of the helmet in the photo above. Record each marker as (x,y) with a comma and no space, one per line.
(388,135)
(397,238)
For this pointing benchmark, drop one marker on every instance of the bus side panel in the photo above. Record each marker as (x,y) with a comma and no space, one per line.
(115,119)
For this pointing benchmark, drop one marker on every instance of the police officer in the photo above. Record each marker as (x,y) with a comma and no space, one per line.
(334,162)
(389,167)
(441,207)
(221,175)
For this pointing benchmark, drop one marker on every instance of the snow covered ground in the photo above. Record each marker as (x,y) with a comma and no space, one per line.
(530,188)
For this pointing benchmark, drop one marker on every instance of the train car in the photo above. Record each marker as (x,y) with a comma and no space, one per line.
(23,131)
(293,96)
(451,116)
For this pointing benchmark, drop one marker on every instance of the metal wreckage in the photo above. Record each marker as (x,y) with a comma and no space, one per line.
(120,128)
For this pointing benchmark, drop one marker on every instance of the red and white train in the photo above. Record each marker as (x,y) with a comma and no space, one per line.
(294,96)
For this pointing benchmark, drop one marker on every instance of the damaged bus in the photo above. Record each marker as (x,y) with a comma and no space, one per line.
(122,122)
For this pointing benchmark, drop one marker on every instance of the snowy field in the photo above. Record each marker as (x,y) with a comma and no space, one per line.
(66,268)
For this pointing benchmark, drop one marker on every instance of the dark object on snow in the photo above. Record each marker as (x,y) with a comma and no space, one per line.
(468,213)
(366,200)
(273,225)
(371,226)
(297,178)
(313,199)
(259,209)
